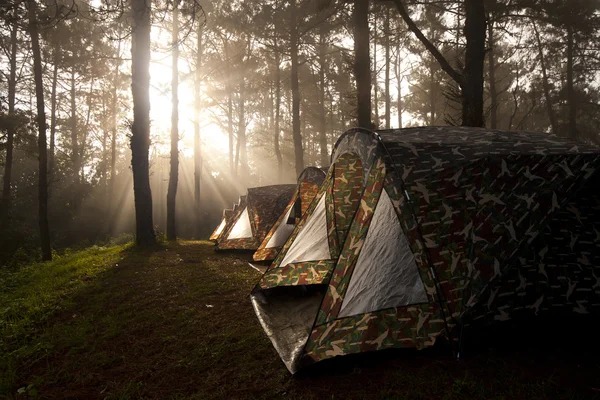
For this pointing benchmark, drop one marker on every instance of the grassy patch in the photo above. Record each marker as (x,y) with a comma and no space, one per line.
(176,323)
(32,294)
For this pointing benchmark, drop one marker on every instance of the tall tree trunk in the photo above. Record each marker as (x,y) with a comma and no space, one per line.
(387,69)
(432,93)
(113,143)
(243,152)
(399,78)
(12,82)
(492,76)
(140,137)
(278,115)
(41,122)
(197,142)
(374,75)
(104,170)
(322,111)
(297,136)
(571,100)
(472,87)
(53,113)
(86,131)
(174,171)
(545,82)
(74,136)
(229,110)
(362,68)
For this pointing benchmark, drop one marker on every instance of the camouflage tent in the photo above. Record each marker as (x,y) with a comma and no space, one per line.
(227,213)
(308,184)
(418,232)
(254,217)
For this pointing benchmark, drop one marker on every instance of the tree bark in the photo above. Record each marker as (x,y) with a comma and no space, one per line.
(296,134)
(278,115)
(242,149)
(374,74)
(545,82)
(570,85)
(399,78)
(492,77)
(362,68)
(41,122)
(472,87)
(113,143)
(197,142)
(76,165)
(174,171)
(140,138)
(322,111)
(53,114)
(12,84)
(387,69)
(229,110)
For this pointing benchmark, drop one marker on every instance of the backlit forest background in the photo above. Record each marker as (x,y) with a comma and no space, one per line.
(263,88)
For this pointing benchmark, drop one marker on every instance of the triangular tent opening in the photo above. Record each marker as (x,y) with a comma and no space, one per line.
(282,233)
(242,228)
(311,243)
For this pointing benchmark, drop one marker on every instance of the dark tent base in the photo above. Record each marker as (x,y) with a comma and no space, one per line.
(287,314)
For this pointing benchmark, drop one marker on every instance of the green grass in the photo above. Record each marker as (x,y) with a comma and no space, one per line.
(33,294)
(176,323)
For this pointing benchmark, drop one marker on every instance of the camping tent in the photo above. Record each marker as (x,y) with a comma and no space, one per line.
(254,217)
(308,184)
(418,232)
(219,229)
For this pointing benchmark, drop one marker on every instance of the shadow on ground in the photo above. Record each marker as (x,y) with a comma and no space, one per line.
(176,322)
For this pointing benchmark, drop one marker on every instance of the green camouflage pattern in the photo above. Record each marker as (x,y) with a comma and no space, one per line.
(502,225)
(308,185)
(304,273)
(264,205)
(347,185)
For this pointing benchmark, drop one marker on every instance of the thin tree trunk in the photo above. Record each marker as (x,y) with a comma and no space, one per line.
(472,87)
(399,85)
(104,170)
(362,69)
(12,83)
(243,153)
(296,134)
(140,138)
(197,142)
(322,112)
(229,111)
(174,171)
(492,76)
(570,85)
(74,137)
(86,131)
(374,75)
(53,114)
(432,93)
(387,69)
(545,82)
(41,122)
(113,143)
(278,115)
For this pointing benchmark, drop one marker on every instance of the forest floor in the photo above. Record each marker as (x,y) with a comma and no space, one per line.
(176,322)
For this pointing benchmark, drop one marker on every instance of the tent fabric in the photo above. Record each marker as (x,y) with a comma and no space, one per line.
(308,185)
(386,274)
(312,243)
(341,193)
(262,205)
(227,213)
(242,228)
(500,225)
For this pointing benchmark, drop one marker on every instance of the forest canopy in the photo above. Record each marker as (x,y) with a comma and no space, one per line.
(246,93)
